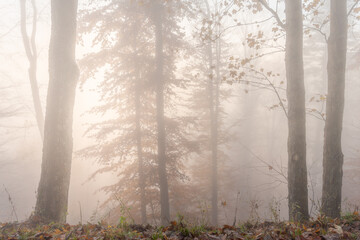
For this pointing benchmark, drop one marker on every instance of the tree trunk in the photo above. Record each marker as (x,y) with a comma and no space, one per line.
(160,118)
(138,92)
(139,150)
(215,102)
(213,142)
(333,157)
(213,92)
(54,183)
(297,172)
(31,53)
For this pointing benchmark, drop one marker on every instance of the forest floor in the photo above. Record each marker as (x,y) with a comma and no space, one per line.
(348,227)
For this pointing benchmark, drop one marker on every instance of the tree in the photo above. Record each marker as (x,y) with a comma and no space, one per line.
(297,172)
(54,183)
(296,113)
(126,96)
(213,99)
(160,121)
(31,53)
(333,157)
(138,112)
(127,136)
(207,68)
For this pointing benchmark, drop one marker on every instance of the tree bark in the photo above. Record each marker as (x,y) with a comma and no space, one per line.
(54,183)
(297,172)
(31,53)
(160,118)
(333,157)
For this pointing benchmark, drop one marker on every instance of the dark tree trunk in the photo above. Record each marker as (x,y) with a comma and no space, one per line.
(31,53)
(54,183)
(160,118)
(297,172)
(333,157)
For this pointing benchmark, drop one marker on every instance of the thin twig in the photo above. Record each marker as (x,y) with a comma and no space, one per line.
(236,207)
(80,212)
(274,89)
(12,203)
(319,31)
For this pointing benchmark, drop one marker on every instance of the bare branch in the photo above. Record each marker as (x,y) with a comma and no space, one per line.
(33,33)
(273,12)
(9,31)
(31,53)
(277,171)
(241,24)
(24,34)
(274,89)
(319,31)
(353,6)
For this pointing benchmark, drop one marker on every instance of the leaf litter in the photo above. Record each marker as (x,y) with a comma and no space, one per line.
(321,228)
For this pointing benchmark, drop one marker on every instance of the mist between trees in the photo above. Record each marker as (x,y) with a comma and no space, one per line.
(220,111)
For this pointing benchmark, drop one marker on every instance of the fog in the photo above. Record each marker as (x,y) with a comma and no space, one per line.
(245,107)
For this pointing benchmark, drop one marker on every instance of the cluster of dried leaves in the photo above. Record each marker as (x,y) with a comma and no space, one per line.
(321,228)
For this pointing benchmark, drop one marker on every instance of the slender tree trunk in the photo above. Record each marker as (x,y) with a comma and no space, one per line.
(160,118)
(31,53)
(138,93)
(213,108)
(139,150)
(333,157)
(54,183)
(213,140)
(297,172)
(215,102)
